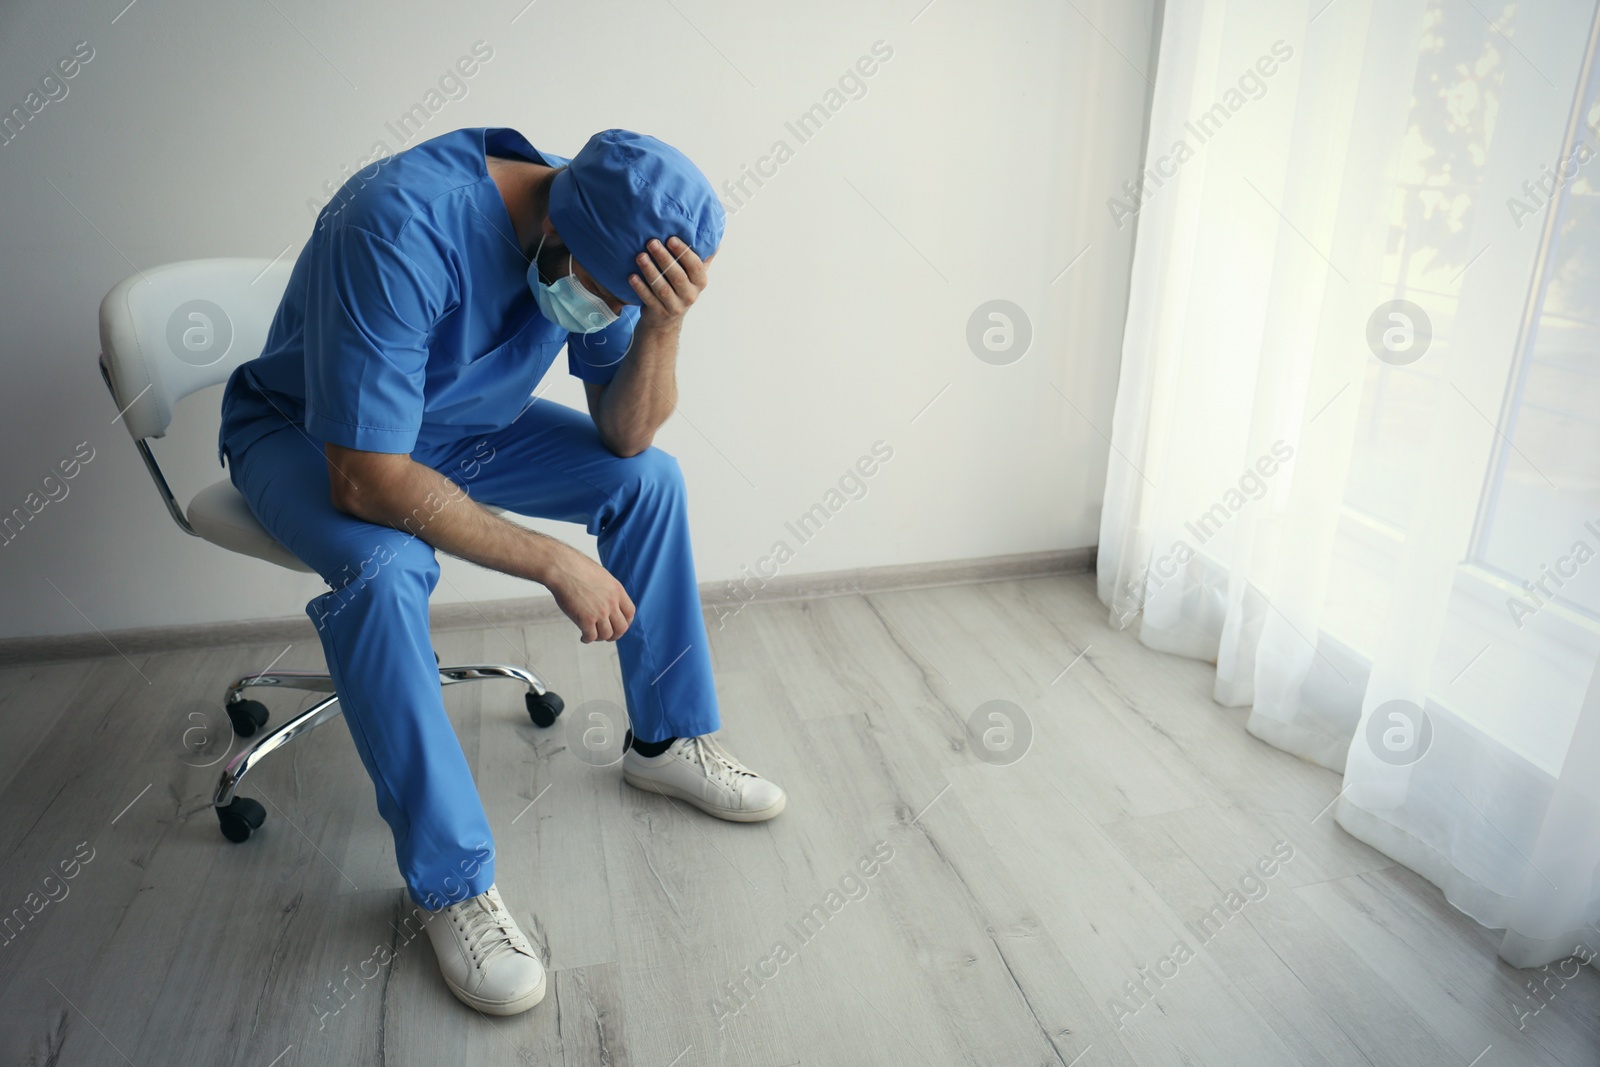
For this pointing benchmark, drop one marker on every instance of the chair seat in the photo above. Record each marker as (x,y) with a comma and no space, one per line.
(220,514)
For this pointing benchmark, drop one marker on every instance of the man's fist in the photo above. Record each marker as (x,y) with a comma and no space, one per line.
(589,596)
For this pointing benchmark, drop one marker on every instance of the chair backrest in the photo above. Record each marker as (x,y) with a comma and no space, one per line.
(169,331)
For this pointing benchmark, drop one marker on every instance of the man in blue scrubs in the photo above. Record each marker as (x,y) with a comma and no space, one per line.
(393,400)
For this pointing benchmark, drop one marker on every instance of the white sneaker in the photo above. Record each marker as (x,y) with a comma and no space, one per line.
(701,771)
(484,958)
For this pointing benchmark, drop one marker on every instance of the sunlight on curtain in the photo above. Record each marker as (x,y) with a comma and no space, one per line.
(1356,451)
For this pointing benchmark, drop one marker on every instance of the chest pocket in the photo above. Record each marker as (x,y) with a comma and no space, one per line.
(534,332)
(466,388)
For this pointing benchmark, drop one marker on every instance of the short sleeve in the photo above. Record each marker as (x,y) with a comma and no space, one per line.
(369,312)
(595,357)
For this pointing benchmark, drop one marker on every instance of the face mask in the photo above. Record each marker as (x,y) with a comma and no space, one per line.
(567,303)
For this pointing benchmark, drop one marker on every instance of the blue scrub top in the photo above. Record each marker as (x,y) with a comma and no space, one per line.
(408,322)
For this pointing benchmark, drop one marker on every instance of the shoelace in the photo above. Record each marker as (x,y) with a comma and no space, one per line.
(490,930)
(718,761)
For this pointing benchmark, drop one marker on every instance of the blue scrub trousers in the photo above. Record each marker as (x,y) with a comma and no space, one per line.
(373,621)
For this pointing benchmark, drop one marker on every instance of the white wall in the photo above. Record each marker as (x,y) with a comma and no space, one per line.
(983,151)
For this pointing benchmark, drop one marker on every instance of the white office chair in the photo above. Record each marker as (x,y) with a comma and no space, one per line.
(168,332)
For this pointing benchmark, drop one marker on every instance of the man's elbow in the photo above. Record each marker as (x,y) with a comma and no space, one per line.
(348,499)
(628,451)
(367,502)
(364,485)
(626,446)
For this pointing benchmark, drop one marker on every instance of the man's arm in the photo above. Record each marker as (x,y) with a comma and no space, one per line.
(629,409)
(395,490)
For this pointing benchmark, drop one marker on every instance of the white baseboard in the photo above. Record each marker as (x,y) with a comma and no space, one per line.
(21,651)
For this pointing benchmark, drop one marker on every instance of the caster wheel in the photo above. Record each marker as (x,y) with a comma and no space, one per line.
(247,716)
(241,816)
(544,709)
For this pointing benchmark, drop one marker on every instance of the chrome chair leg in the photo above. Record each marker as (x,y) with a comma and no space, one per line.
(241,815)
(544,706)
(248,716)
(240,765)
(314,681)
(480,671)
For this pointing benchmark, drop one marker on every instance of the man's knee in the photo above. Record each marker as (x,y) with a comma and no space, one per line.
(390,565)
(654,470)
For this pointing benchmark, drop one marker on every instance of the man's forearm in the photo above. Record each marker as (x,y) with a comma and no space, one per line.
(426,504)
(390,489)
(644,393)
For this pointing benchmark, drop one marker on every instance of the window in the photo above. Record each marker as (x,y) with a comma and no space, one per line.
(1539,523)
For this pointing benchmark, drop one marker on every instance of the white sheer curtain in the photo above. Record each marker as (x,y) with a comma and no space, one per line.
(1339,502)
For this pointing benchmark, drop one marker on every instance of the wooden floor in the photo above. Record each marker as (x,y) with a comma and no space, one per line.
(1019,903)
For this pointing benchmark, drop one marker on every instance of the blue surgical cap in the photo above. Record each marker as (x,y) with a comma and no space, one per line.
(620,191)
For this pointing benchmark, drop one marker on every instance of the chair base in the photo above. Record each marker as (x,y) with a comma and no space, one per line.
(240,816)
